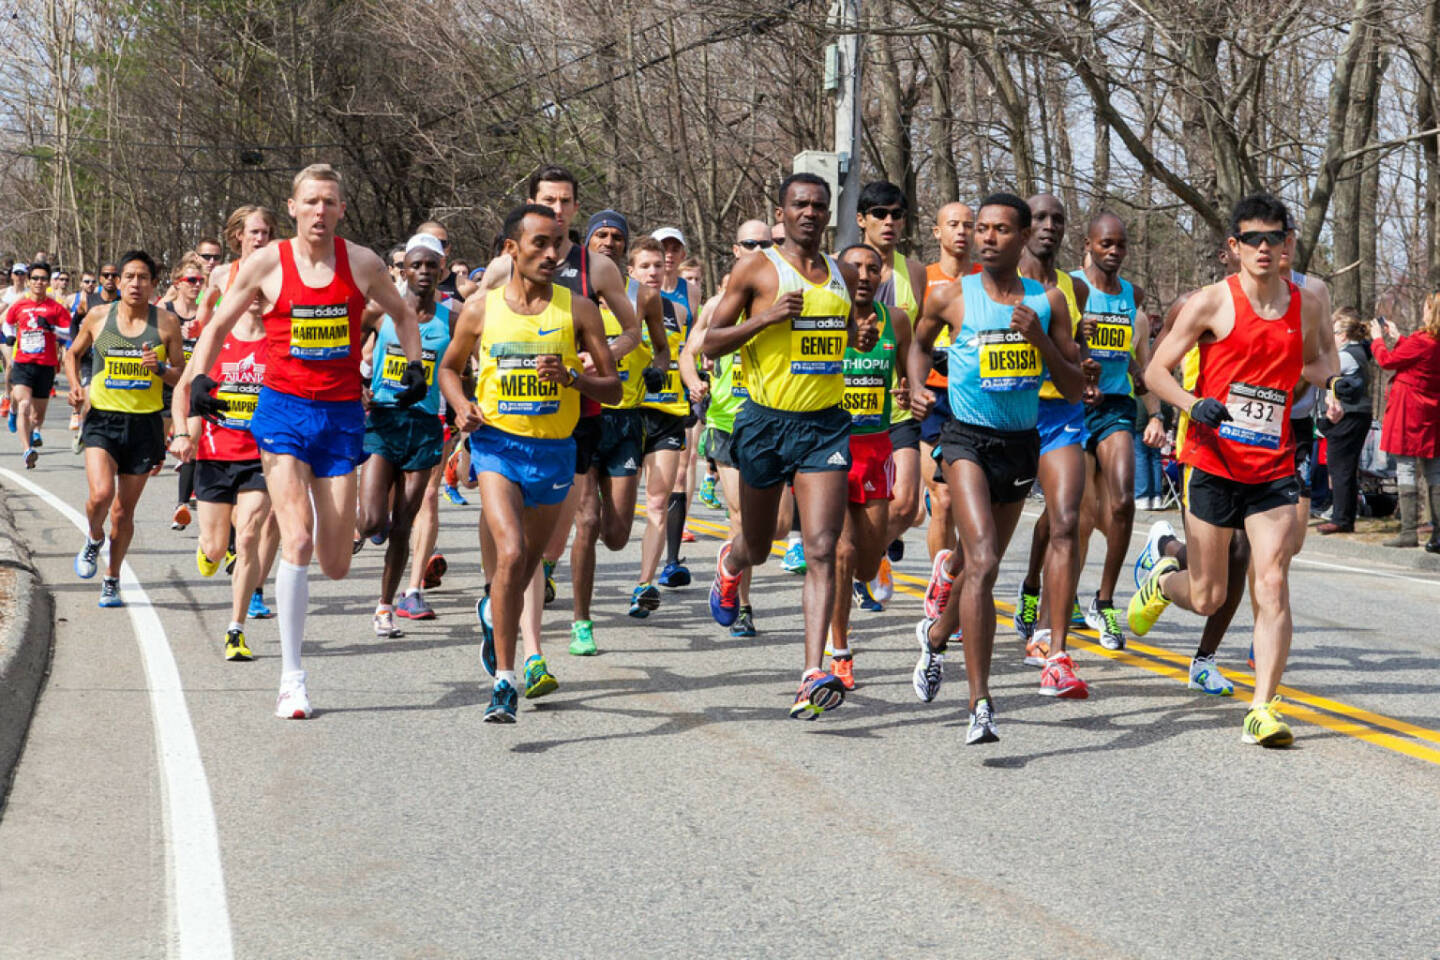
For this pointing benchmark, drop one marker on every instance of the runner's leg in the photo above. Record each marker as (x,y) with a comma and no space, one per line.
(820,498)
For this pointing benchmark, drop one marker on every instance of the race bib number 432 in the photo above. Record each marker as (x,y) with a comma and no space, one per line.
(817,345)
(320,331)
(1007,362)
(1258,416)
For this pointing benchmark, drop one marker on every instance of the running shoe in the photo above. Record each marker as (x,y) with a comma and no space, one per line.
(843,668)
(487,634)
(1206,677)
(357,545)
(36,440)
(258,610)
(982,724)
(538,679)
(204,564)
(937,591)
(380,536)
(452,493)
(110,593)
(1106,622)
(385,628)
(180,519)
(235,648)
(1058,679)
(31,457)
(794,559)
(413,606)
(707,492)
(1250,657)
(1264,726)
(1077,616)
(930,668)
(435,568)
(502,704)
(1037,648)
(1027,613)
(1150,554)
(865,598)
(744,625)
(87,560)
(77,441)
(230,558)
(293,701)
(582,638)
(10,418)
(818,692)
(883,586)
(896,550)
(1149,601)
(724,590)
(644,599)
(549,580)
(686,536)
(675,575)
(74,422)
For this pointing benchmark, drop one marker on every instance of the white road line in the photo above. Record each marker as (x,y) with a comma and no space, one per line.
(199,918)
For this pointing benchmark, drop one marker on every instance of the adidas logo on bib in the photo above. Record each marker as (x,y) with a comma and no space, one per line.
(836,459)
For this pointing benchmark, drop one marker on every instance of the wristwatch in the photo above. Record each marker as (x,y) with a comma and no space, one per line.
(574,375)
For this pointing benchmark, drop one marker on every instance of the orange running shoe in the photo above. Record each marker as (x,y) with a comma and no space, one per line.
(844,669)
(452,469)
(686,536)
(1037,649)
(181,518)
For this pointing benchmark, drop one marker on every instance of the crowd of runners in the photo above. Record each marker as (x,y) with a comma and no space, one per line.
(318,397)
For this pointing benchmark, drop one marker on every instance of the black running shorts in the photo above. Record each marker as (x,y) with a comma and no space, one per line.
(1009,459)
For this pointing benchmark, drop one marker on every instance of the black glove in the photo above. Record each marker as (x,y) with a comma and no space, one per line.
(940,361)
(203,402)
(412,385)
(1210,412)
(654,379)
(1348,390)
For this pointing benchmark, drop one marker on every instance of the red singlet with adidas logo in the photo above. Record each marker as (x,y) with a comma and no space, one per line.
(1252,371)
(239,371)
(312,334)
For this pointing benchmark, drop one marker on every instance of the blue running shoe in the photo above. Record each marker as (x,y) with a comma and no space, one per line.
(818,692)
(724,590)
(896,550)
(675,575)
(452,494)
(1150,555)
(10,421)
(36,440)
(414,606)
(707,493)
(487,639)
(866,598)
(744,625)
(794,559)
(644,599)
(503,702)
(110,593)
(1077,616)
(258,610)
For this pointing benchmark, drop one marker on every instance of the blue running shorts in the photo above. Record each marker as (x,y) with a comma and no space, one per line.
(542,469)
(327,435)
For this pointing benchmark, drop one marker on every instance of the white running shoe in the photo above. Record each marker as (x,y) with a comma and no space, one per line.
(293,703)
(982,724)
(930,669)
(882,588)
(1150,554)
(385,628)
(1206,677)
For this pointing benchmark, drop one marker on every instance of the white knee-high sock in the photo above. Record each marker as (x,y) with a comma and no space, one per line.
(292,601)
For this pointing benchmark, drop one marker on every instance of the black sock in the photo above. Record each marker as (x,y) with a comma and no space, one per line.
(1102,604)
(1030,588)
(260,593)
(1202,654)
(795,519)
(231,547)
(1160,545)
(674,526)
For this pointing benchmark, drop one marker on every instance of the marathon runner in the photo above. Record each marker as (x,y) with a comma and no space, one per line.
(883,211)
(790,316)
(187,283)
(31,329)
(124,433)
(1245,341)
(529,333)
(870,379)
(1054,544)
(405,441)
(308,421)
(727,394)
(1002,341)
(230,490)
(684,296)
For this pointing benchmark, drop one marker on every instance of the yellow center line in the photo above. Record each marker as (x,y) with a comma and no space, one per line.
(1321,711)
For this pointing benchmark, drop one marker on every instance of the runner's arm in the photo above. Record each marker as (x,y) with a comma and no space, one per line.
(375,283)
(208,298)
(1322,357)
(169,326)
(611,287)
(1057,348)
(725,334)
(1191,323)
(691,353)
(654,307)
(495,275)
(921,357)
(79,345)
(451,371)
(604,384)
(1143,320)
(243,292)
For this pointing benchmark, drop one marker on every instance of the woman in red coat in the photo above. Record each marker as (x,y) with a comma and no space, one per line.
(1411,431)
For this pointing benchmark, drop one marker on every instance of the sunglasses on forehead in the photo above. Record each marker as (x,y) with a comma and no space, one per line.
(757,244)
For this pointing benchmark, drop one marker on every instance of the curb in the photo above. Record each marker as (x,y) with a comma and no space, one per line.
(27,630)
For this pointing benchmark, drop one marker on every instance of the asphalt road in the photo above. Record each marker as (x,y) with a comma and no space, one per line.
(661,804)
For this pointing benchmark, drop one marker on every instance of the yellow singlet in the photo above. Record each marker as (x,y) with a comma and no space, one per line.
(799,365)
(906,300)
(1066,285)
(121,383)
(631,367)
(512,397)
(671,396)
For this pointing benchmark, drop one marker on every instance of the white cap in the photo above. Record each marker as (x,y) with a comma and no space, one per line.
(423,241)
(23,268)
(670,233)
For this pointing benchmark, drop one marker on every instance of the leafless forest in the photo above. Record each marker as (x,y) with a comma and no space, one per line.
(145,122)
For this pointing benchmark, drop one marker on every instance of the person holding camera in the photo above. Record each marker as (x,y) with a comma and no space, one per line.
(1411,431)
(1346,436)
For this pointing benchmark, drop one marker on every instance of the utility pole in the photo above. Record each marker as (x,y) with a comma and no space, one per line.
(845,16)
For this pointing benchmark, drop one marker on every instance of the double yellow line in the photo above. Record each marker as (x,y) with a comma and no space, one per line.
(1383,731)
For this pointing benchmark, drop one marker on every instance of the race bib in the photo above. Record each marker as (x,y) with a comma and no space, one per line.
(739,387)
(817,345)
(188,348)
(125,371)
(864,398)
(1259,416)
(320,331)
(32,341)
(395,363)
(521,391)
(1114,336)
(242,398)
(670,392)
(1007,362)
(621,370)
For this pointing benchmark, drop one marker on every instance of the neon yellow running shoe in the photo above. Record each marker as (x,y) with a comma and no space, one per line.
(1150,601)
(204,564)
(1264,726)
(538,679)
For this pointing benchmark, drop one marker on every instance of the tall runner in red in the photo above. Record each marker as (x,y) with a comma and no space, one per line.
(1245,342)
(308,421)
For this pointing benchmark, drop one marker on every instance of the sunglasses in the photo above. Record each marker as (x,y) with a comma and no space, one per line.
(757,244)
(212,257)
(886,213)
(109,276)
(61,278)
(1253,238)
(39,278)
(192,279)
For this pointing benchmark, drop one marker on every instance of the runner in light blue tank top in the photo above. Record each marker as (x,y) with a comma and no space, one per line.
(995,373)
(389,360)
(1113,343)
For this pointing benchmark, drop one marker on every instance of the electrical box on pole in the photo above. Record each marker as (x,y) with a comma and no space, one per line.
(824,164)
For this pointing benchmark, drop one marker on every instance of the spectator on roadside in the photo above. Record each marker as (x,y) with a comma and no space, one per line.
(1149,481)
(1411,432)
(1345,438)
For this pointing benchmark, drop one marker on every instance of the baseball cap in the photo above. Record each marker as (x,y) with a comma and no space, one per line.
(670,233)
(20,268)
